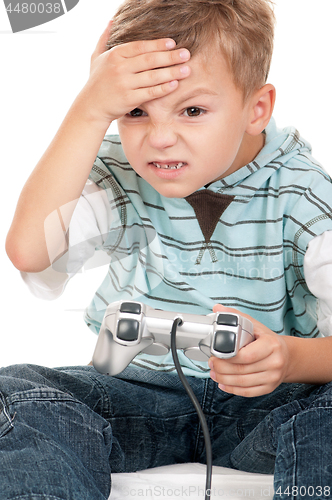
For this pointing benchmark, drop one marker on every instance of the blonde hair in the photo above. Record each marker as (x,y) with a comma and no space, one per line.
(242,29)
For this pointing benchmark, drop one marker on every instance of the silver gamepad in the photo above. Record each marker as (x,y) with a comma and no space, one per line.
(130,328)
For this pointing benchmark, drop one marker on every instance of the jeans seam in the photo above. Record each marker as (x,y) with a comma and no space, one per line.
(4,407)
(294,388)
(22,397)
(31,396)
(272,431)
(294,453)
(106,402)
(37,496)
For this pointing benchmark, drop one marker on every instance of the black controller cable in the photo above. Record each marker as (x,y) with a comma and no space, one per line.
(178,322)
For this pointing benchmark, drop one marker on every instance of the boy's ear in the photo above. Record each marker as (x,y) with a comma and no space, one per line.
(260,109)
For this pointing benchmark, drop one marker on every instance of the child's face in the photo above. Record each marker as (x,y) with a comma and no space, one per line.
(200,128)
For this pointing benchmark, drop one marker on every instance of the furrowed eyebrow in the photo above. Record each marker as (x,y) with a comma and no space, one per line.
(195,93)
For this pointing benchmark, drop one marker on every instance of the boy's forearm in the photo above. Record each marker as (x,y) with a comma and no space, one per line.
(57,180)
(310,360)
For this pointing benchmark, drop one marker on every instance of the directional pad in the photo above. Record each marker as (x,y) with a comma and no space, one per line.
(224,342)
(128,330)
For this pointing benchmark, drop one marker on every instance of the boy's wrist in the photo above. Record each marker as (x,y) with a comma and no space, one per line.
(87,113)
(309,360)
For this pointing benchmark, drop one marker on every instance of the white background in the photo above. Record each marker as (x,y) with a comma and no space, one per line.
(41,72)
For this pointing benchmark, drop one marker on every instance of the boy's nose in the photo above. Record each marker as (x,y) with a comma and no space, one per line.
(162,135)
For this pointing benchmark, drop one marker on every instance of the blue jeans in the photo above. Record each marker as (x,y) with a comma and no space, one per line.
(62,431)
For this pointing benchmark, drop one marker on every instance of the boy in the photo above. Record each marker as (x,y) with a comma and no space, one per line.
(204,202)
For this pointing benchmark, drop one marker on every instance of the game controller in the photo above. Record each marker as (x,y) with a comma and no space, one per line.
(130,328)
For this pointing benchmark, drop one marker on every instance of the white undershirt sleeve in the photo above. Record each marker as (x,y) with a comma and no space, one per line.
(318,276)
(88,230)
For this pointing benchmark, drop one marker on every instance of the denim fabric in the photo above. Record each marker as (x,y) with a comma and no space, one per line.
(62,431)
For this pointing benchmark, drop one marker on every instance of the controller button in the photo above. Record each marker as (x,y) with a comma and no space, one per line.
(197,354)
(128,330)
(157,349)
(131,308)
(227,319)
(224,342)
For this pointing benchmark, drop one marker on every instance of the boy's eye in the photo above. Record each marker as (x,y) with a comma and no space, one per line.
(194,111)
(136,113)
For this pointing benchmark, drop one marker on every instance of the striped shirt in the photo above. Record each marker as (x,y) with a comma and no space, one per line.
(240,241)
(249,241)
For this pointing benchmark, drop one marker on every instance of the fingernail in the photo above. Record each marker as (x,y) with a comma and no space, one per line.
(170,44)
(185,70)
(221,387)
(185,54)
(213,376)
(210,363)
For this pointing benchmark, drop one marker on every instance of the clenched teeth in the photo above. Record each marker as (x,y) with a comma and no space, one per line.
(171,166)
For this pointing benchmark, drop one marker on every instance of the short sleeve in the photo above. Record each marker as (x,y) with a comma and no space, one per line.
(88,229)
(318,276)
